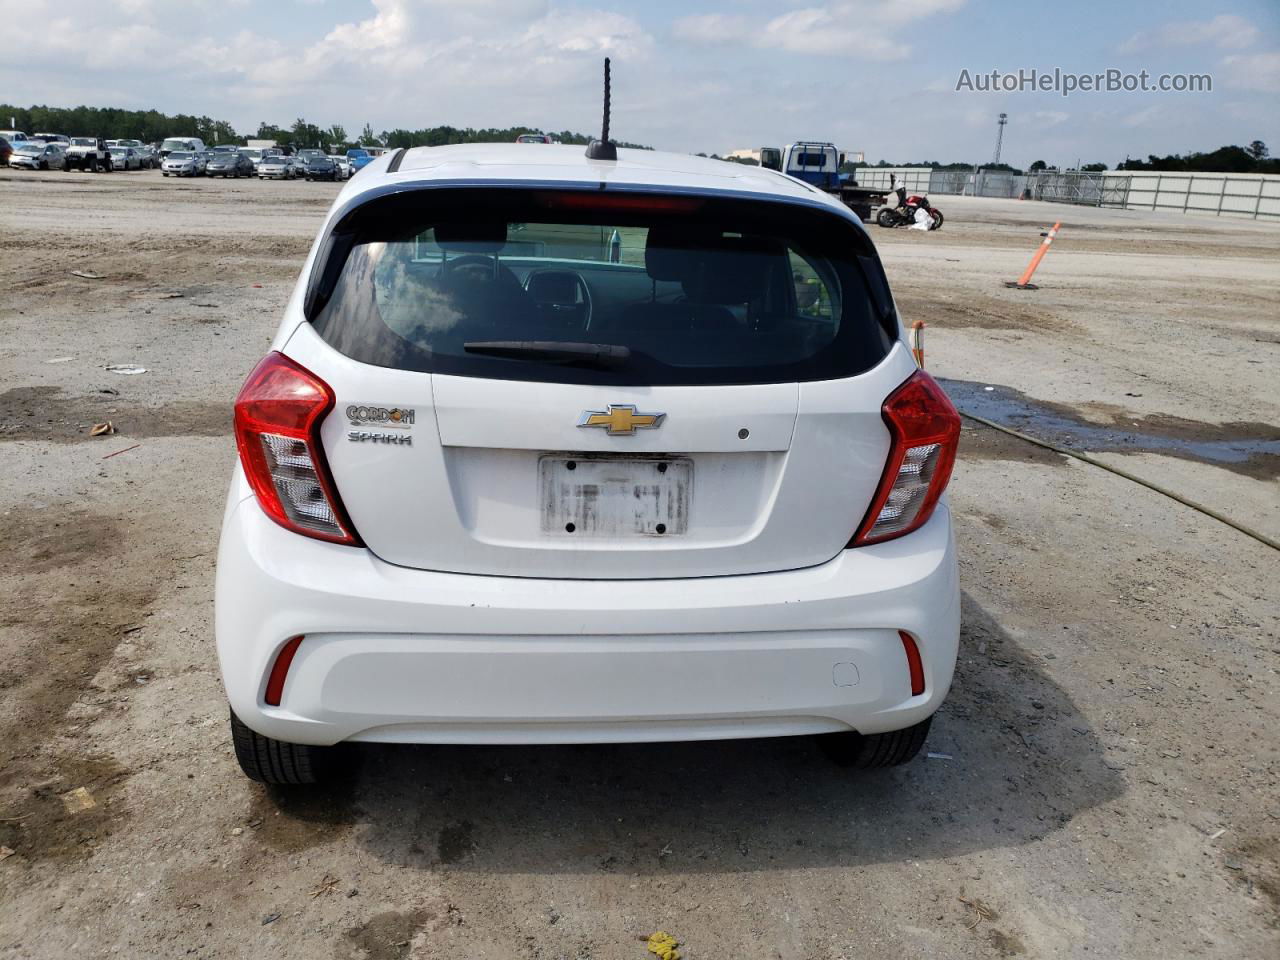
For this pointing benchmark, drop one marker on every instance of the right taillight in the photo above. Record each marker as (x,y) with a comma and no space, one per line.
(926,431)
(278,415)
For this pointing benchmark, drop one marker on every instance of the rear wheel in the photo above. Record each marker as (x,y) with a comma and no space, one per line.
(872,750)
(886,217)
(937,219)
(274,761)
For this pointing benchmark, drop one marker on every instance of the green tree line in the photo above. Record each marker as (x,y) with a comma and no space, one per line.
(145,125)
(445,135)
(152,125)
(1254,158)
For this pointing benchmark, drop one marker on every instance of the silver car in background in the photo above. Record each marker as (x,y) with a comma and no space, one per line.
(277,167)
(125,158)
(255,155)
(182,163)
(147,158)
(35,155)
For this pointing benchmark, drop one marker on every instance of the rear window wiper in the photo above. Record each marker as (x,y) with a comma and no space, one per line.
(553,351)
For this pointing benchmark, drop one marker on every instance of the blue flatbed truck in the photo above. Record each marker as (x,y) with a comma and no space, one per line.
(819,164)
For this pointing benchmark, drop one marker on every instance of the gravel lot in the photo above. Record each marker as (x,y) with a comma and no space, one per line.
(1105,774)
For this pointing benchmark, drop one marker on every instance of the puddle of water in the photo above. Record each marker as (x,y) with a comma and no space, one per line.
(1252,449)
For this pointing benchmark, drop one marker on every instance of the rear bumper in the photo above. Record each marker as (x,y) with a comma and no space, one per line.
(399,655)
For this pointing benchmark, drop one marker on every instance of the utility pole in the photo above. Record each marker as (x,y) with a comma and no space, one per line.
(1000,122)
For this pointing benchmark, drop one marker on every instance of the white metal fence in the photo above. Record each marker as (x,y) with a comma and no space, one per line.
(1255,196)
(1220,194)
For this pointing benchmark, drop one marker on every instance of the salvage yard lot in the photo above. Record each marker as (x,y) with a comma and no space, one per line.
(1102,781)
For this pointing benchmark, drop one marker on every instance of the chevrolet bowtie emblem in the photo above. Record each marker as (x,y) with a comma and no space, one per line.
(621,419)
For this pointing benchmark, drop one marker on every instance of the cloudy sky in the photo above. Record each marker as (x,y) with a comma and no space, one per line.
(709,75)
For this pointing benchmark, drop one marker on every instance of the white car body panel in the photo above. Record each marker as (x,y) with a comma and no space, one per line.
(463,622)
(789,495)
(412,656)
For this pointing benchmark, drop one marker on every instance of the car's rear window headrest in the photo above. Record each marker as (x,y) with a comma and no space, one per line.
(478,237)
(731,267)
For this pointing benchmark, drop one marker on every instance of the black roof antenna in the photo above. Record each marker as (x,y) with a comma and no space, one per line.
(604,148)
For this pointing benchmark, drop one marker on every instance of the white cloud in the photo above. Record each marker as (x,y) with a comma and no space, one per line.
(1044,119)
(817,30)
(1152,116)
(1226,30)
(1253,71)
(712,28)
(862,28)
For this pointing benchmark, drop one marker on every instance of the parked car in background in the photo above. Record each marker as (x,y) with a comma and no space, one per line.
(358,159)
(89,154)
(37,155)
(276,167)
(307,153)
(14,137)
(255,155)
(183,144)
(181,163)
(146,154)
(343,166)
(6,151)
(321,168)
(125,158)
(533,138)
(299,165)
(59,138)
(223,164)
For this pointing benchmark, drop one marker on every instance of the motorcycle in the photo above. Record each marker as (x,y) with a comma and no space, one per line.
(905,213)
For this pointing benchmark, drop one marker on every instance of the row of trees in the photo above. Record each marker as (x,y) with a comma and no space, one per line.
(151,125)
(145,125)
(443,136)
(1255,158)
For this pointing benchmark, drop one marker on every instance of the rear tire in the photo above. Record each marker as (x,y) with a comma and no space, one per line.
(886,217)
(276,762)
(870,751)
(937,219)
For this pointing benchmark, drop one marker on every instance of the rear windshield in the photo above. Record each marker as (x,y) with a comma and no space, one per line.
(594,288)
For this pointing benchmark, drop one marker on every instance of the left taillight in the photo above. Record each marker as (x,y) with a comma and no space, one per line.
(277,421)
(926,432)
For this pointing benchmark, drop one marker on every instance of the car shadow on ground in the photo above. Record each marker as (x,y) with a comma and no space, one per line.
(1013,761)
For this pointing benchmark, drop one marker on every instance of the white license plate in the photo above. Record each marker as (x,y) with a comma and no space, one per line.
(615,497)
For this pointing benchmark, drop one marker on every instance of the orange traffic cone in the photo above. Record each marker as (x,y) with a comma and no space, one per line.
(1024,281)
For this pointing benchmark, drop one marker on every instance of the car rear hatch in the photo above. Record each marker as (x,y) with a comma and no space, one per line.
(567,384)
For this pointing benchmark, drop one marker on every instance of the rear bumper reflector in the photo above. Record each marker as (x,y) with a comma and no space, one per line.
(280,670)
(915,667)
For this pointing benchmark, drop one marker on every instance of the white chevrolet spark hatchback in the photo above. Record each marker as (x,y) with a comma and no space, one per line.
(551,449)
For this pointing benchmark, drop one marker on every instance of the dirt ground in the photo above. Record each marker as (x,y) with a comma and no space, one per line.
(1103,781)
